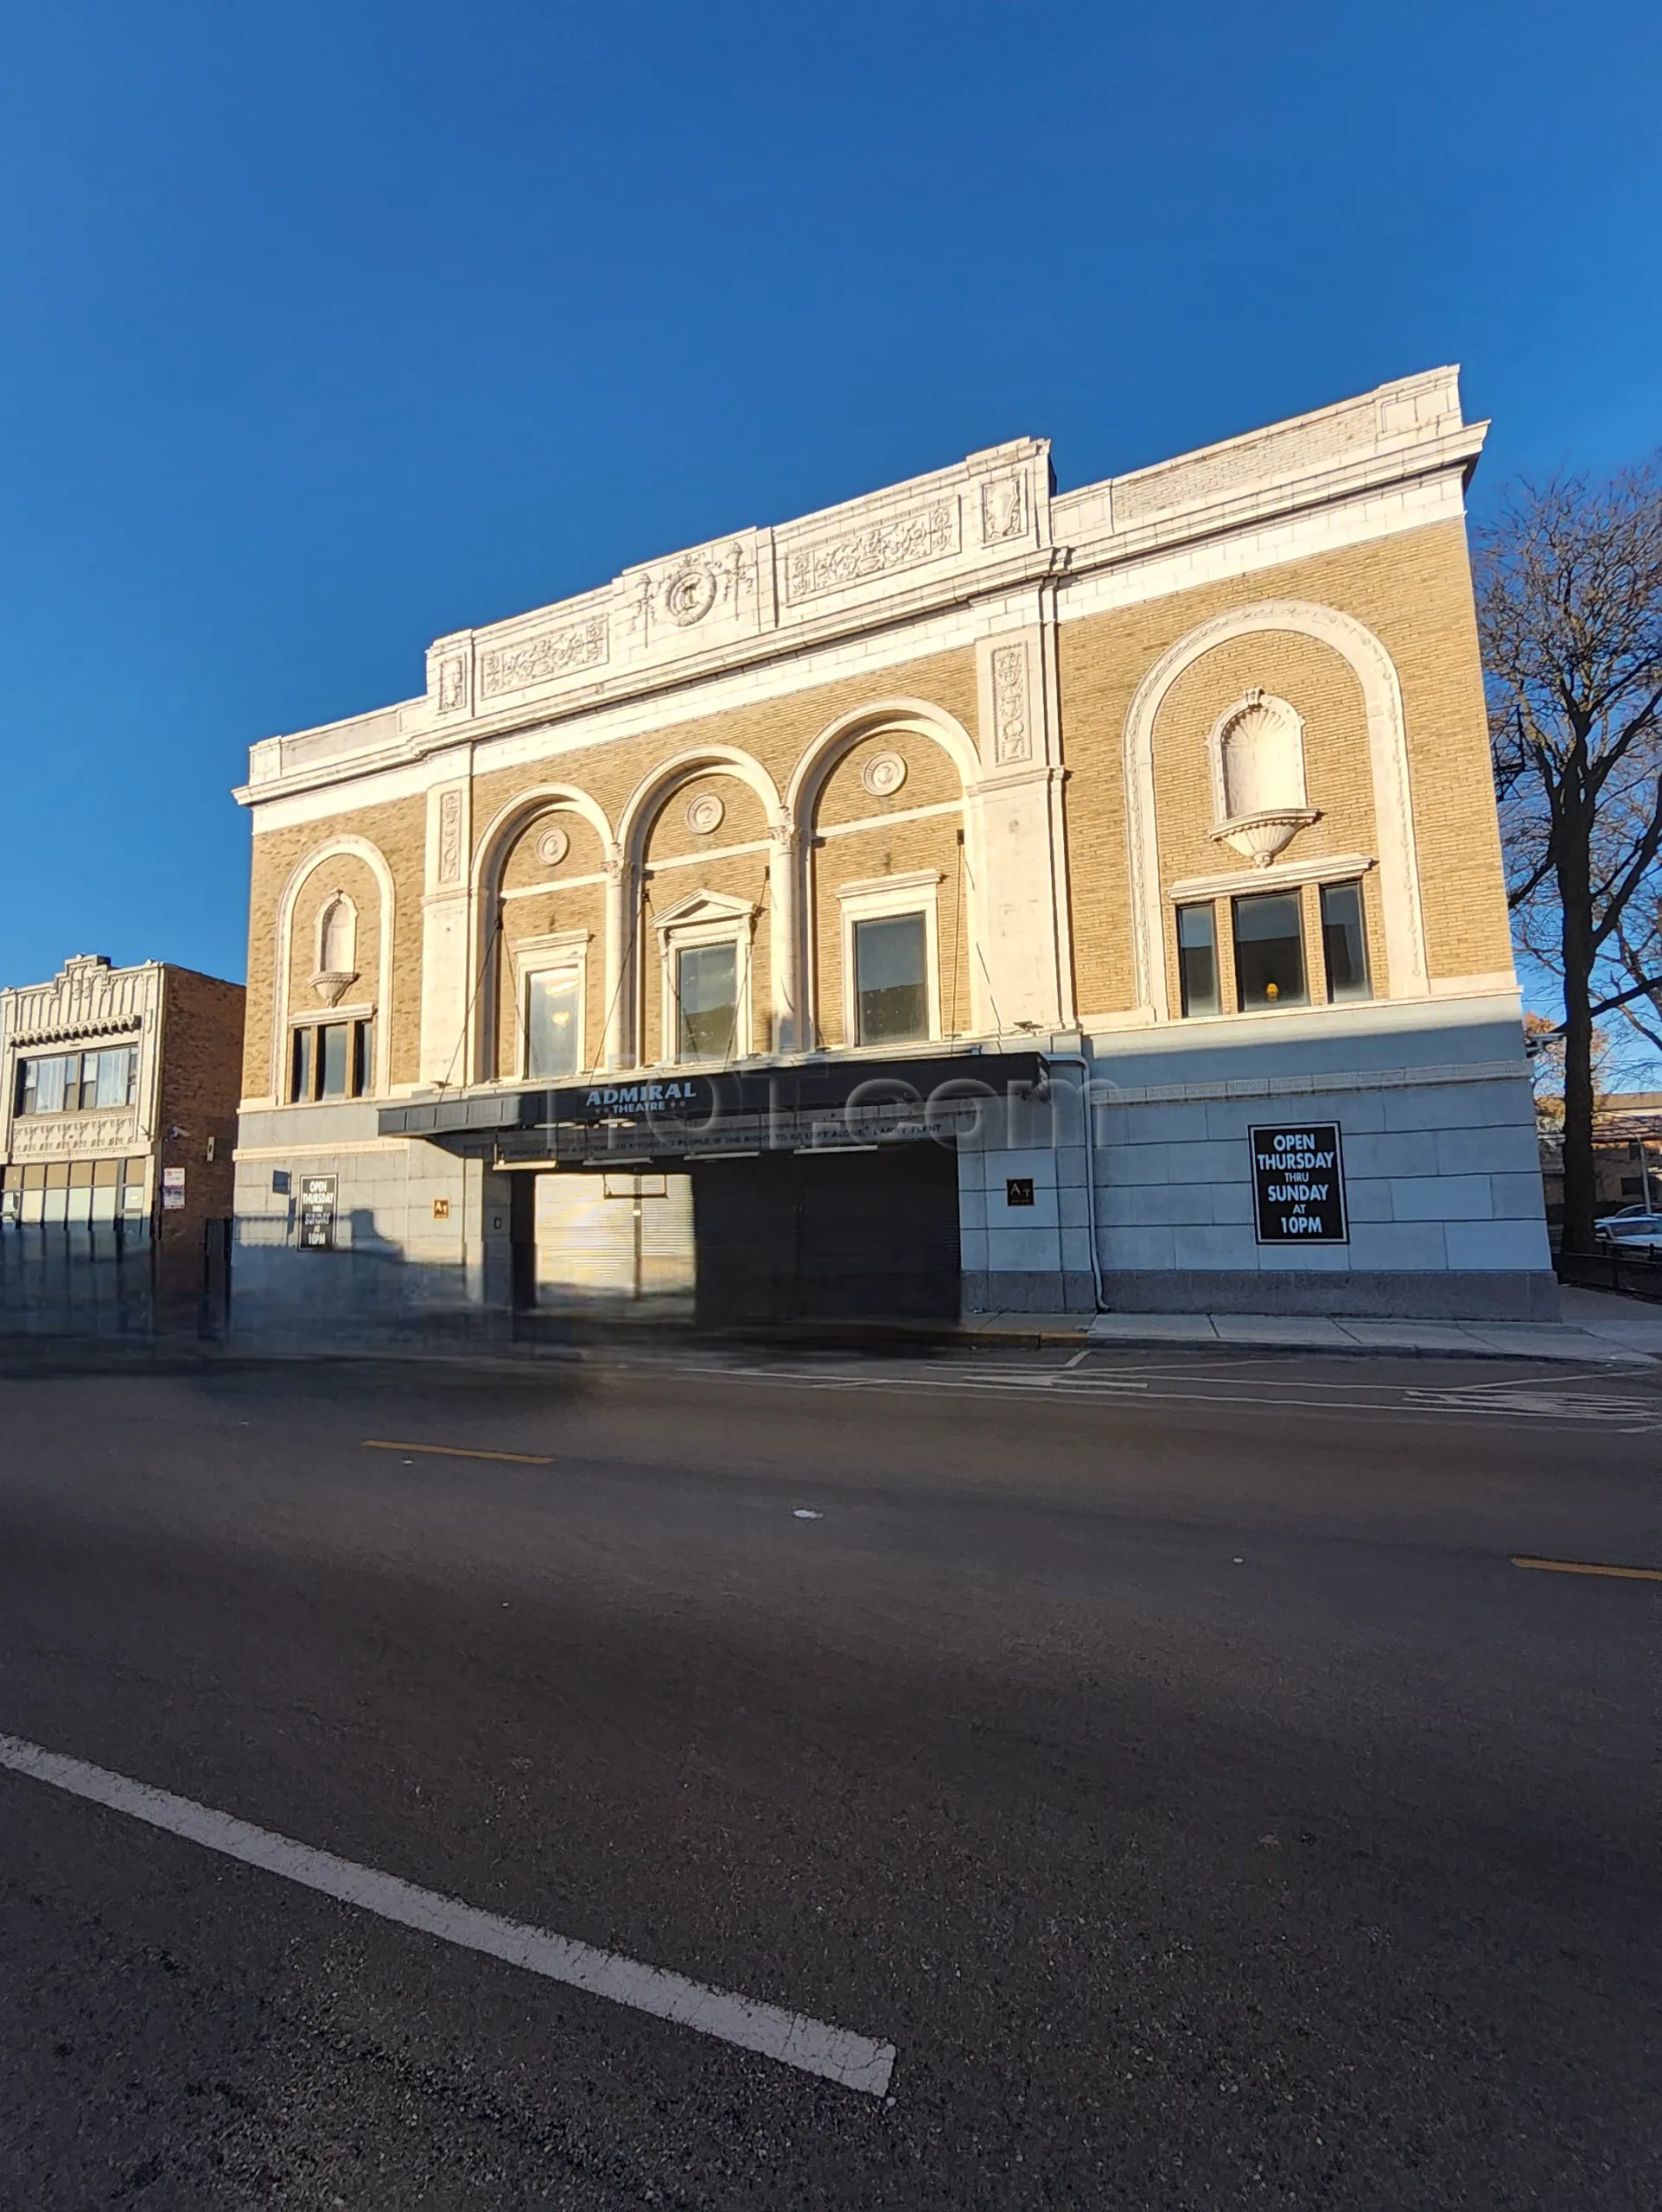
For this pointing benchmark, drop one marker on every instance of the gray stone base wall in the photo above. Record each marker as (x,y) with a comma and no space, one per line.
(1146,1152)
(1498,1294)
(422,1243)
(1028,1291)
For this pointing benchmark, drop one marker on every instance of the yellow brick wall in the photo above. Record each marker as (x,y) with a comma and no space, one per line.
(1413,591)
(1323,688)
(398,829)
(342,871)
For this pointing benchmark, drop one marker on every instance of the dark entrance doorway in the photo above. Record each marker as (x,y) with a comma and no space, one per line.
(844,1236)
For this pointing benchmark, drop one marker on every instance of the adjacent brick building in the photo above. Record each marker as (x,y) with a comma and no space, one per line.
(1155,816)
(119,1098)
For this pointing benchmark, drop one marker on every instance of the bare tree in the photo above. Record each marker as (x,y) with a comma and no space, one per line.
(1569,606)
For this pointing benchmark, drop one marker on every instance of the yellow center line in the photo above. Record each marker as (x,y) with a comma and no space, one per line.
(1580,1566)
(459,1451)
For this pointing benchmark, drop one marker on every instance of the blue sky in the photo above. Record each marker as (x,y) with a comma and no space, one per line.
(330,327)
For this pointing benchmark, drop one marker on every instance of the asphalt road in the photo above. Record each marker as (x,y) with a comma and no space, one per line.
(1164,1756)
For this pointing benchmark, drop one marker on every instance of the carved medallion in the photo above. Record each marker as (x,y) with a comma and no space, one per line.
(706,813)
(690,594)
(883,774)
(553,847)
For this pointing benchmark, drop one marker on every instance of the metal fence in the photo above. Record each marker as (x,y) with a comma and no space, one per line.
(1611,1268)
(112,1279)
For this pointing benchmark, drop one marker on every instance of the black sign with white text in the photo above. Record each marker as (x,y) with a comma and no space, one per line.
(1298,1184)
(317,1213)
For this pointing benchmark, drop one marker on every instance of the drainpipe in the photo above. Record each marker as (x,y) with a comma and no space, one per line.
(1078,1060)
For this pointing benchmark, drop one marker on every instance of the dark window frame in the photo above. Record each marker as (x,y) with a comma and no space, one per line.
(305,1082)
(1274,995)
(1192,1011)
(868,1032)
(1354,992)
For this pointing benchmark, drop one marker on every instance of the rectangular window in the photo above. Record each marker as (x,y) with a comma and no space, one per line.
(43,1085)
(1269,950)
(706,1001)
(1197,959)
(115,1076)
(552,1027)
(76,1083)
(891,979)
(1344,942)
(333,1059)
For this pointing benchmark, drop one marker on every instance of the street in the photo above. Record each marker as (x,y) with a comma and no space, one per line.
(1160,1758)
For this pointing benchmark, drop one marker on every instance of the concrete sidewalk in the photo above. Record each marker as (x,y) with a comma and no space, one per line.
(1597,1326)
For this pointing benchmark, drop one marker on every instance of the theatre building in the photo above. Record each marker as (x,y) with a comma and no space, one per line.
(973,897)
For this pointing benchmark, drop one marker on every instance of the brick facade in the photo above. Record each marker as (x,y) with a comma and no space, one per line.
(1000,702)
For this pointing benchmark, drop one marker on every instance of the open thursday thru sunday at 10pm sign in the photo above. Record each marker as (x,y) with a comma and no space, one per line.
(1298,1185)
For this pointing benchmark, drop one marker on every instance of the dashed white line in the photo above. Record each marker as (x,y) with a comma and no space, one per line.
(856,2062)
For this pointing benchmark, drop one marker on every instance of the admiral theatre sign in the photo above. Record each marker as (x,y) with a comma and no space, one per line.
(1298,1185)
(686,1096)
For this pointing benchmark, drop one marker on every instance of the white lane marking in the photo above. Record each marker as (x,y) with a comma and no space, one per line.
(1404,1404)
(838,2054)
(1078,1357)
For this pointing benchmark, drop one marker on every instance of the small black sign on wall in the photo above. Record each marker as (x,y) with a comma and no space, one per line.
(317,1213)
(1018,1190)
(1298,1184)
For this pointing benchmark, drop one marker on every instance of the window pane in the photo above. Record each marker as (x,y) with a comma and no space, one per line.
(45,1082)
(1197,959)
(551,1025)
(363,1075)
(1269,950)
(891,978)
(1344,942)
(115,1070)
(300,1085)
(707,1001)
(334,1041)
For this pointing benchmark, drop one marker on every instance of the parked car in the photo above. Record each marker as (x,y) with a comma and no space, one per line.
(1630,1229)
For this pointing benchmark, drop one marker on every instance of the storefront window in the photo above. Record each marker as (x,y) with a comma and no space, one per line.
(1197,959)
(1269,951)
(891,979)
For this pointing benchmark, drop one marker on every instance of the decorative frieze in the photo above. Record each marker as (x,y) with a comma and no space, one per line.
(1003,509)
(929,532)
(87,998)
(73,1136)
(452,684)
(449,838)
(1012,712)
(540,659)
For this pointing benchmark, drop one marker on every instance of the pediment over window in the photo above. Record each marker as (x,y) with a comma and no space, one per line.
(707,906)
